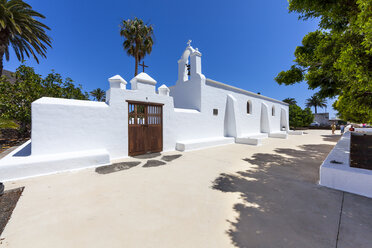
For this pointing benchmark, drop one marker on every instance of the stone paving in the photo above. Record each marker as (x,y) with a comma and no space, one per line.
(228,196)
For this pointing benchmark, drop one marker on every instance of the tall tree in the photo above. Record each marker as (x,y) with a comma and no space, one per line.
(316,101)
(138,39)
(20,28)
(16,98)
(290,101)
(98,94)
(299,117)
(336,59)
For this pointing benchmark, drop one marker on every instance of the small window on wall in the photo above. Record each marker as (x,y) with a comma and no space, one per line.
(249,107)
(273,111)
(215,111)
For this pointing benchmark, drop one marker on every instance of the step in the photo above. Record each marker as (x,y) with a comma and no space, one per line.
(252,139)
(19,165)
(249,141)
(280,135)
(292,132)
(194,144)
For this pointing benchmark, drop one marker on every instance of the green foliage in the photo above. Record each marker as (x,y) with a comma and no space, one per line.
(20,28)
(98,94)
(299,117)
(316,101)
(290,101)
(16,98)
(4,123)
(337,58)
(138,39)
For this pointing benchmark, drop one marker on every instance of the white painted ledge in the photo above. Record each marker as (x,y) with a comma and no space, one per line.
(280,135)
(342,176)
(70,102)
(182,110)
(252,139)
(249,141)
(19,164)
(258,136)
(195,144)
(292,132)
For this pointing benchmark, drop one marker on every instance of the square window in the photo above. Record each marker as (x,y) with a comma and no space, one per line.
(215,111)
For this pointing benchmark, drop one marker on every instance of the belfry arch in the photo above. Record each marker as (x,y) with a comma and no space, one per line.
(194,57)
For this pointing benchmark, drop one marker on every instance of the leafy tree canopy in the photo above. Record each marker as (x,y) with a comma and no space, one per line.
(16,98)
(299,117)
(336,59)
(290,101)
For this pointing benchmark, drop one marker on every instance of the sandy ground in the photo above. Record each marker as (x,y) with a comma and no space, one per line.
(227,196)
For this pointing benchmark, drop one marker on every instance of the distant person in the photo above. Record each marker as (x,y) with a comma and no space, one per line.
(352,129)
(342,128)
(364,125)
(333,128)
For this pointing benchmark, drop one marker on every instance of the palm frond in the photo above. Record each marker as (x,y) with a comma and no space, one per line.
(20,29)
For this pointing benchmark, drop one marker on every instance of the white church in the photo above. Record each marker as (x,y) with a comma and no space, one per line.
(195,113)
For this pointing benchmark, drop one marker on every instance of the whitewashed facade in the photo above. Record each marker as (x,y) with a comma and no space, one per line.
(196,112)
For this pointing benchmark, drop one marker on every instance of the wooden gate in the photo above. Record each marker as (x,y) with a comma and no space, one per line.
(145,127)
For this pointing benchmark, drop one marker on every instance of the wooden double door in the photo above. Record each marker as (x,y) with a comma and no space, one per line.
(145,127)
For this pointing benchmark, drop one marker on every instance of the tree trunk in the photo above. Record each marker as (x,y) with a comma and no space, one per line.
(136,65)
(3,46)
(1,63)
(2,51)
(315,109)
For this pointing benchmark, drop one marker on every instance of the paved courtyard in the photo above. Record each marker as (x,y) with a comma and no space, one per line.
(227,196)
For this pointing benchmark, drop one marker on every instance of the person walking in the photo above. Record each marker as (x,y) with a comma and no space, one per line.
(342,128)
(333,128)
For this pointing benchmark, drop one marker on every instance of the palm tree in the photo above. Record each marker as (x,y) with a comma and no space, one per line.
(290,101)
(138,39)
(19,28)
(98,94)
(316,101)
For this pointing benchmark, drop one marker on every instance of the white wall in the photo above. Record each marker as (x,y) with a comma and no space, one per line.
(214,95)
(63,125)
(69,134)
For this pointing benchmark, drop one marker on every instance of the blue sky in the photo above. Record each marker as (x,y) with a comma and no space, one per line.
(243,43)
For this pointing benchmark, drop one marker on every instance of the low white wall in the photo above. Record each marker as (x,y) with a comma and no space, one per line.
(63,125)
(342,176)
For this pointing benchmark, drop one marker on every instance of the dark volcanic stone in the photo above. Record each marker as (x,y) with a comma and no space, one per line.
(170,157)
(8,202)
(154,163)
(116,167)
(1,189)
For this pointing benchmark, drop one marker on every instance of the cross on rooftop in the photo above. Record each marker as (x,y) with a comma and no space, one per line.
(189,42)
(143,66)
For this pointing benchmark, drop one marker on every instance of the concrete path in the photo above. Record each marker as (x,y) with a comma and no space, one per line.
(227,196)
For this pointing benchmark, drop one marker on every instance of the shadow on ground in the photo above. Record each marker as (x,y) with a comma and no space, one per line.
(283,205)
(8,202)
(107,169)
(116,167)
(331,138)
